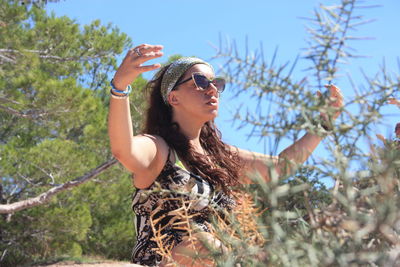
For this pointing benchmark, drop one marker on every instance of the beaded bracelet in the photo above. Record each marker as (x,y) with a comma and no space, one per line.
(115,90)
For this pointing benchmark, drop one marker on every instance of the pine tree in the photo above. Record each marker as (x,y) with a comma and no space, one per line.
(54,87)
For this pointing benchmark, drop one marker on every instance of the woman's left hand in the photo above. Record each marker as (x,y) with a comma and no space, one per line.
(335,100)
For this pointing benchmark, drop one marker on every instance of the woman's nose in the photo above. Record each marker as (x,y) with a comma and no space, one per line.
(212,90)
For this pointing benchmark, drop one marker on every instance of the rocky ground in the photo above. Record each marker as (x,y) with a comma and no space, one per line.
(99,264)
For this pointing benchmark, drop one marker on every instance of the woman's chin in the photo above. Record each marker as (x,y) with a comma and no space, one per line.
(214,113)
(211,116)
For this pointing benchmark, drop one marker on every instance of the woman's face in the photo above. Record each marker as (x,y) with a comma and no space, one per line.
(193,101)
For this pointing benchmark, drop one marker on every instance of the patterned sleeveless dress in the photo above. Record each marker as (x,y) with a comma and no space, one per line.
(159,215)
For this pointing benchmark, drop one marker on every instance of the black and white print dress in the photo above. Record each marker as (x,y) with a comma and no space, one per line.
(158,210)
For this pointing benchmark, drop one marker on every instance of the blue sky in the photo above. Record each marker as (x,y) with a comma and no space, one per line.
(193,27)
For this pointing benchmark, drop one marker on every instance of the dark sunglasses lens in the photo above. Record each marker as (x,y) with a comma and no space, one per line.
(201,81)
(220,84)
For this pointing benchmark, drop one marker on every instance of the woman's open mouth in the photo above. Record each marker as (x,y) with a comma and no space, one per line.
(212,102)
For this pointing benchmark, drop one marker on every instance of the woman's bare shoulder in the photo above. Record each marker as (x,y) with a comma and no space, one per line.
(151,142)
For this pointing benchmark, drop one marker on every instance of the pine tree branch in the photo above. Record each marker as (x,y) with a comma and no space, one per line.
(46,196)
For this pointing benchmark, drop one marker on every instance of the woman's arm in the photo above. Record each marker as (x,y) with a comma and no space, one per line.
(285,163)
(254,162)
(292,156)
(136,153)
(296,154)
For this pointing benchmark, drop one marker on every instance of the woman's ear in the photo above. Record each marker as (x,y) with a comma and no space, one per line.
(173,99)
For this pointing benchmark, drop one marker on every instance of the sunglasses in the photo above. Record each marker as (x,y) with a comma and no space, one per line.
(202,82)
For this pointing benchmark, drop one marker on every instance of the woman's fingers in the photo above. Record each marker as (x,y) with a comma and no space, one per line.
(335,98)
(143,53)
(146,48)
(149,67)
(132,65)
(148,56)
(146,52)
(334,91)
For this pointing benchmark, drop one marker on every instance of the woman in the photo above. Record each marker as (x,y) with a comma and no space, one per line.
(180,163)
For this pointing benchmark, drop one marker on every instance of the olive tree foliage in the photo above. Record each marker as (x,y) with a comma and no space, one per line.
(54,93)
(300,222)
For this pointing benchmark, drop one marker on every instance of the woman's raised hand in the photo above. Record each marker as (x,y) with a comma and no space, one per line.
(131,66)
(334,100)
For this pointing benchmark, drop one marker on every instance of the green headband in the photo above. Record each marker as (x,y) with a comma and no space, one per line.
(175,71)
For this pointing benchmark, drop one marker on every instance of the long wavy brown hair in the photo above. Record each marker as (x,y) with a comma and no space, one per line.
(227,164)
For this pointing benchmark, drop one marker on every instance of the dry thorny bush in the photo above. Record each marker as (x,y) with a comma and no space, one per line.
(298,224)
(244,227)
(296,220)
